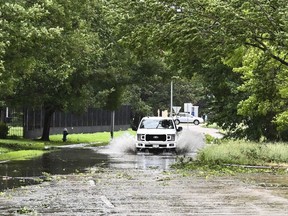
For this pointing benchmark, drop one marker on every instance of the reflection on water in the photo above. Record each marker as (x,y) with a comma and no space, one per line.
(62,161)
(71,160)
(142,161)
(154,161)
(121,153)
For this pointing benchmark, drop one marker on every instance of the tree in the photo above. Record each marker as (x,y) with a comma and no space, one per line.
(196,36)
(147,84)
(237,48)
(53,54)
(258,33)
(150,88)
(151,76)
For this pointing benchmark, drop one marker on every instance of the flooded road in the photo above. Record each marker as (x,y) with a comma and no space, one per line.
(78,158)
(62,161)
(117,181)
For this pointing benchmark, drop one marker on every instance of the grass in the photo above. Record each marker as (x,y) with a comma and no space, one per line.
(18,149)
(95,139)
(244,153)
(21,155)
(218,156)
(230,157)
(20,144)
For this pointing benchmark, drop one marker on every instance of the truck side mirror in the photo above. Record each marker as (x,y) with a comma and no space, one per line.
(179,129)
(134,128)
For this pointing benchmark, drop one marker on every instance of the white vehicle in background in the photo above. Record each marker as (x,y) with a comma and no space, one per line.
(157,133)
(183,117)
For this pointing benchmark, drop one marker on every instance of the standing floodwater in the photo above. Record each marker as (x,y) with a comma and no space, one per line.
(120,153)
(123,153)
(190,141)
(63,161)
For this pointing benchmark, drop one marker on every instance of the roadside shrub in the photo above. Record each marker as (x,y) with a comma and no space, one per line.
(212,140)
(237,156)
(245,153)
(276,153)
(4,129)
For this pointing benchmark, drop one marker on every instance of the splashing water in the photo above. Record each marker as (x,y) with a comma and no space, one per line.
(190,141)
(123,144)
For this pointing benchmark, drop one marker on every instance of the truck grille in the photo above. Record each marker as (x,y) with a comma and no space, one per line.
(156,137)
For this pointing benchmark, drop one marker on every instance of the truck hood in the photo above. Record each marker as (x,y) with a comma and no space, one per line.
(156,131)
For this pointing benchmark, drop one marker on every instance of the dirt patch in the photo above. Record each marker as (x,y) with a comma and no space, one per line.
(142,192)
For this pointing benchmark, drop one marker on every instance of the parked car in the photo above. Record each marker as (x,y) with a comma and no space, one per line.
(183,117)
(157,133)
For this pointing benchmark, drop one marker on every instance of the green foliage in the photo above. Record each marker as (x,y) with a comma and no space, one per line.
(151,88)
(244,153)
(264,100)
(114,99)
(223,98)
(211,140)
(231,157)
(4,129)
(71,54)
(60,55)
(248,97)
(282,120)
(148,84)
(255,51)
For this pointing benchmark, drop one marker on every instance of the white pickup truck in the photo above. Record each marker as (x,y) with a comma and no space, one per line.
(157,133)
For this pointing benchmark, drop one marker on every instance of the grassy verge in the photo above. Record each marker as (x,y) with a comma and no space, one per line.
(95,139)
(20,144)
(245,153)
(229,157)
(20,149)
(21,155)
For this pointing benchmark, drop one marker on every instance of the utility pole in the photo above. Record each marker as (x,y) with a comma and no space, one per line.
(112,124)
(171,97)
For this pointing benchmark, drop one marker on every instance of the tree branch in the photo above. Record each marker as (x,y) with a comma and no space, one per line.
(264,48)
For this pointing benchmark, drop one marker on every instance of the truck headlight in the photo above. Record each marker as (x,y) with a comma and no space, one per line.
(141,137)
(170,137)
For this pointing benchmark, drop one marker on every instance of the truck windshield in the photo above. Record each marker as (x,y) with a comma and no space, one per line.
(157,124)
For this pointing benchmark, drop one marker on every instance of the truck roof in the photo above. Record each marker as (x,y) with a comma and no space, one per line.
(157,117)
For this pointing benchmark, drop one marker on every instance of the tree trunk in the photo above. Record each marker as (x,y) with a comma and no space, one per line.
(2,116)
(48,113)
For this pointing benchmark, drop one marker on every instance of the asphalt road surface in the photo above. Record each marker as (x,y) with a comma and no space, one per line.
(149,190)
